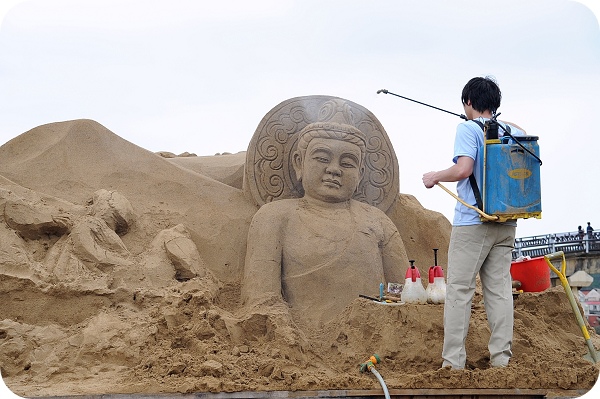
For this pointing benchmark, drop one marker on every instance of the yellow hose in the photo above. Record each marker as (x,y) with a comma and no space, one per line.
(482,213)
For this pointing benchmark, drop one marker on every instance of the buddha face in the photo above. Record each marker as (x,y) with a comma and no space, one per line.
(330,169)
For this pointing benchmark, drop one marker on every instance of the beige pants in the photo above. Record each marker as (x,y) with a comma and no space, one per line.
(484,249)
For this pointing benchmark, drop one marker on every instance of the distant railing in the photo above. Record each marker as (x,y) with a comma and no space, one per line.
(570,242)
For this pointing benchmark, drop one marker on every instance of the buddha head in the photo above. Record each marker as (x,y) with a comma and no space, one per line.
(329,160)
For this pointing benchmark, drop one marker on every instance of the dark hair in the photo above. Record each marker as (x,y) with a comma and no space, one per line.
(484,94)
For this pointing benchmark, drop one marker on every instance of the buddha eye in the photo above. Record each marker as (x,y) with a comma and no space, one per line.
(321,156)
(349,162)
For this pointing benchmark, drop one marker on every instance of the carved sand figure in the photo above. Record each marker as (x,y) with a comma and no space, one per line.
(88,250)
(172,255)
(92,246)
(340,246)
(153,331)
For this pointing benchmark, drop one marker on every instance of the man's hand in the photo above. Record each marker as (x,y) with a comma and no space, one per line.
(429,179)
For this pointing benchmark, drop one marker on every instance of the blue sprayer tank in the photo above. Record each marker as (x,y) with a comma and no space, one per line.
(511,178)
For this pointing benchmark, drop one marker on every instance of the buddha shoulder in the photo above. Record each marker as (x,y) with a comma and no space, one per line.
(277,208)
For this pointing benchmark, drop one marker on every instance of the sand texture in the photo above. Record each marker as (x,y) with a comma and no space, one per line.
(120,272)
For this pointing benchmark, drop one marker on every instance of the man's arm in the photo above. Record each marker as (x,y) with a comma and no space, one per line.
(460,170)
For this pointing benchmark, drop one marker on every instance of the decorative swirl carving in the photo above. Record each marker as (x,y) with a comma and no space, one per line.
(298,115)
(269,174)
(267,150)
(327,111)
(271,183)
(374,143)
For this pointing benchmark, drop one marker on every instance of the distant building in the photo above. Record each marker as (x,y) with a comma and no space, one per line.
(592,295)
(590,302)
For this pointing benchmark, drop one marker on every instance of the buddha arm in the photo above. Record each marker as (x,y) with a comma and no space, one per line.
(395,259)
(262,269)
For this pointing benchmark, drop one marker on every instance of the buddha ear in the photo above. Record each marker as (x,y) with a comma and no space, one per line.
(361,174)
(297,164)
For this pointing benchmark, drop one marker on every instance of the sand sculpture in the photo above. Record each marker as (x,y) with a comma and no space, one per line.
(324,239)
(121,271)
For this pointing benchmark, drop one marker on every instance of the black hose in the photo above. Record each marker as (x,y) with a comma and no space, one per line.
(465,118)
(506,132)
(418,102)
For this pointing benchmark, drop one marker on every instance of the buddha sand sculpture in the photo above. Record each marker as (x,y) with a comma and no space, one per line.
(326,239)
(167,316)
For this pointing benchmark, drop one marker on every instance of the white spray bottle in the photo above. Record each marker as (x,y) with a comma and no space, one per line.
(413,290)
(436,289)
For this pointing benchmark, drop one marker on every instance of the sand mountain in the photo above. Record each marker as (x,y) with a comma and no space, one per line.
(73,159)
(160,243)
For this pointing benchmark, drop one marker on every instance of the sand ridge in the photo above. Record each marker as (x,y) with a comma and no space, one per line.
(155,306)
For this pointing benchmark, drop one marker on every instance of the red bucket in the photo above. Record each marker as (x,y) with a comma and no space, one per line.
(534,274)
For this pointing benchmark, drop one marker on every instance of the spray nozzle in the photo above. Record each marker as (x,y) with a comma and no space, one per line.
(412,272)
(373,360)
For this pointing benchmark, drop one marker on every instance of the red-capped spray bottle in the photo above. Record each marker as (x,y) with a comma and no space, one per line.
(413,290)
(436,289)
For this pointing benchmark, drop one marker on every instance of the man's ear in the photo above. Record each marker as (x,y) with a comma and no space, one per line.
(297,164)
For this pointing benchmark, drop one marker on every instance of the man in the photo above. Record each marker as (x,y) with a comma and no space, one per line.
(319,252)
(476,247)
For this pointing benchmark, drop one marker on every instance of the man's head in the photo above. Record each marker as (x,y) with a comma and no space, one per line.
(483,94)
(330,160)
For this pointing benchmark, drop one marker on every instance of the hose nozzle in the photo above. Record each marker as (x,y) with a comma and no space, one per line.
(373,360)
(382,91)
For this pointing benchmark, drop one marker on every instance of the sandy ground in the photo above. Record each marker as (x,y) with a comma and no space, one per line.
(120,272)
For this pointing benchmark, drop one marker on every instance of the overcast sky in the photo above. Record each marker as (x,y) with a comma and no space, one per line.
(198,76)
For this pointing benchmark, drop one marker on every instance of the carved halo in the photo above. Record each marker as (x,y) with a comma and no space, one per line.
(269,175)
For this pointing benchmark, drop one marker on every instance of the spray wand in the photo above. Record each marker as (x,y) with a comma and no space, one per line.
(491,125)
(490,128)
(385,91)
(483,214)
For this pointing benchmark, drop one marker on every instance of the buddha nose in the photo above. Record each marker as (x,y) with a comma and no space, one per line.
(333,170)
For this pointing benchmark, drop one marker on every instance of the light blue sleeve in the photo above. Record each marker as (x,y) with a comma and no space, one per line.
(467,140)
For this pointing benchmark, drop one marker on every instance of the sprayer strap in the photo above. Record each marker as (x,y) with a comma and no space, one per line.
(476,191)
(472,177)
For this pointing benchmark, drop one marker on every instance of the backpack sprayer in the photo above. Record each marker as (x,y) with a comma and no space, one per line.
(510,172)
